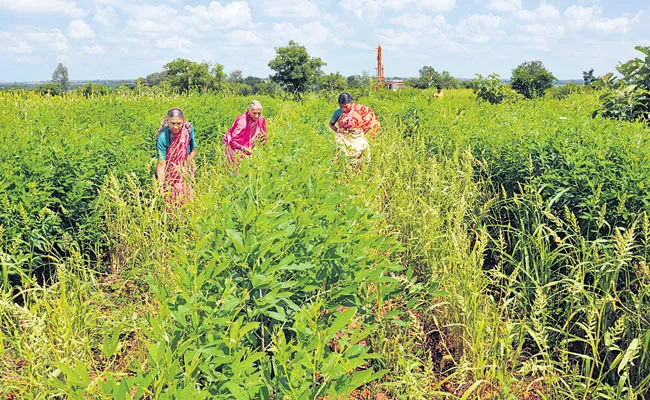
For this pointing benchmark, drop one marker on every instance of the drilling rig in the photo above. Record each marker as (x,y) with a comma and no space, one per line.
(381,81)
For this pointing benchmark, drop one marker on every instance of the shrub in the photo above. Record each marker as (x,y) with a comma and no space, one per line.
(491,89)
(531,79)
(631,99)
(563,91)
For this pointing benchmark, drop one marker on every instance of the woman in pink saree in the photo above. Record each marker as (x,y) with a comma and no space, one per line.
(176,149)
(241,138)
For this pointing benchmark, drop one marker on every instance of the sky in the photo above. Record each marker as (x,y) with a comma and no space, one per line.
(127,39)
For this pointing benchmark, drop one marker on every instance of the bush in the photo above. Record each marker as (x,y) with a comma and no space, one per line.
(52,89)
(563,91)
(531,79)
(491,89)
(631,99)
(89,90)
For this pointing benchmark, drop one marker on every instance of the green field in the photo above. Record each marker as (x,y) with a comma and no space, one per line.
(486,252)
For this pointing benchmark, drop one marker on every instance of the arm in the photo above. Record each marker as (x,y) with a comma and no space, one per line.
(161,147)
(263,136)
(333,127)
(335,118)
(237,127)
(192,154)
(160,172)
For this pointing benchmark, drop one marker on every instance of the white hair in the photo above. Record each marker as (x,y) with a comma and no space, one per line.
(253,105)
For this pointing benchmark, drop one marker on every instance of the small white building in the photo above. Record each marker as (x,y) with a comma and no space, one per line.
(395,84)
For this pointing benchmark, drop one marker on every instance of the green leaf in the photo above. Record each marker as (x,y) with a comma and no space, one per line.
(237,239)
(111,342)
(340,322)
(630,354)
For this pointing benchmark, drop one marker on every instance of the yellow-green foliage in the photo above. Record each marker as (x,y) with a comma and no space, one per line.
(487,250)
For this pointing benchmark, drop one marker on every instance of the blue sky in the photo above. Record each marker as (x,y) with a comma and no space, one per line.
(124,39)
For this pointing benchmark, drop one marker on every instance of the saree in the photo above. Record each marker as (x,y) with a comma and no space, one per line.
(178,175)
(354,145)
(243,133)
(360,117)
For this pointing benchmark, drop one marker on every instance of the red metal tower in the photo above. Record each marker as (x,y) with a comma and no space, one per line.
(380,67)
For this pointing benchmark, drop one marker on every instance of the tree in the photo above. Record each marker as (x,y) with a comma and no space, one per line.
(360,81)
(294,69)
(531,79)
(60,77)
(154,79)
(254,83)
(185,75)
(588,77)
(50,88)
(236,76)
(429,77)
(334,82)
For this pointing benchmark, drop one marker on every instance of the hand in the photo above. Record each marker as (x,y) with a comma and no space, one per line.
(262,139)
(246,151)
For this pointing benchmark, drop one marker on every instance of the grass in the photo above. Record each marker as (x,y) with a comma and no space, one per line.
(464,262)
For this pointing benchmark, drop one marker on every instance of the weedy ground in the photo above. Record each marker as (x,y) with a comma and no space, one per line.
(486,252)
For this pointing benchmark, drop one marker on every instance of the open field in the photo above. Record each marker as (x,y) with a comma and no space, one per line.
(487,251)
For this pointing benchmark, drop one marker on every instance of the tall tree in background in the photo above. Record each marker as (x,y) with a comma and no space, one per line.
(294,69)
(531,79)
(236,76)
(185,75)
(334,82)
(60,77)
(588,77)
(429,77)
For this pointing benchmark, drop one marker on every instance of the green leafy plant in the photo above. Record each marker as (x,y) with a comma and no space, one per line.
(531,79)
(631,99)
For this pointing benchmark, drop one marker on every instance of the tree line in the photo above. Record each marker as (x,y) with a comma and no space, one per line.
(295,72)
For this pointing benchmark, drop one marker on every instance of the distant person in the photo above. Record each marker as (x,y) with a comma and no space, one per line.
(248,128)
(352,122)
(438,94)
(176,149)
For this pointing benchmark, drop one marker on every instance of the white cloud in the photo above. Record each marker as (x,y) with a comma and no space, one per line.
(310,33)
(60,41)
(78,29)
(504,5)
(20,48)
(422,22)
(425,31)
(371,8)
(199,21)
(176,43)
(105,16)
(612,25)
(95,49)
(146,11)
(436,5)
(216,15)
(25,37)
(578,17)
(481,28)
(292,9)
(240,37)
(68,8)
(543,30)
(149,28)
(545,12)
